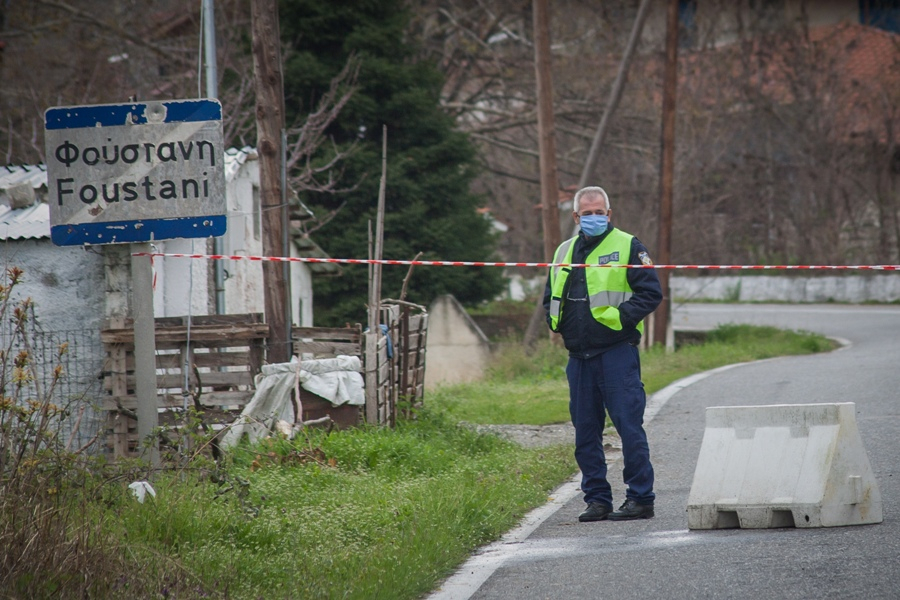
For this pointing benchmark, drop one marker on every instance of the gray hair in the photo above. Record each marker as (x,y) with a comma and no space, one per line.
(592,190)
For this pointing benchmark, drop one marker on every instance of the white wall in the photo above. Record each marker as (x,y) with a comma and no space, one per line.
(244,280)
(858,287)
(302,293)
(182,280)
(67,284)
(187,286)
(68,287)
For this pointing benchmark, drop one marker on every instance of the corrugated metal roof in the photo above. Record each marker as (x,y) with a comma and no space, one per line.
(13,175)
(31,222)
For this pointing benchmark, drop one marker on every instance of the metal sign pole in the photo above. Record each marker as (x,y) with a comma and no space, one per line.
(145,352)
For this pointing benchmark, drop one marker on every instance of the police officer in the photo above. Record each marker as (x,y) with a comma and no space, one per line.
(599,312)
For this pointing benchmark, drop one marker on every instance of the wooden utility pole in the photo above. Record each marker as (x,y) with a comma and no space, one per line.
(546,128)
(667,172)
(547,150)
(268,78)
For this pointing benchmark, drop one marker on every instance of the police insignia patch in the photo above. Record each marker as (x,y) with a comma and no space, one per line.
(645,258)
(605,260)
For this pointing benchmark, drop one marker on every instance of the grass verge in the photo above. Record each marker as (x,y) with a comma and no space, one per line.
(366,513)
(532,389)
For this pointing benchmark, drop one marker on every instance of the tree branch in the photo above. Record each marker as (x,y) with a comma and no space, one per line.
(104,25)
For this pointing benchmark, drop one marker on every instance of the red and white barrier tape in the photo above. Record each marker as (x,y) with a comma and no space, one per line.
(458,263)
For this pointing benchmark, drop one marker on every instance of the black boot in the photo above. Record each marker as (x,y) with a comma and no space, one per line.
(596,511)
(631,510)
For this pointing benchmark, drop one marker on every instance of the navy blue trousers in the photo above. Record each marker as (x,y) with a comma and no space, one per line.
(610,383)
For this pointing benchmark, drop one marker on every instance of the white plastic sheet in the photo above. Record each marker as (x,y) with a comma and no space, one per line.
(338,380)
(140,489)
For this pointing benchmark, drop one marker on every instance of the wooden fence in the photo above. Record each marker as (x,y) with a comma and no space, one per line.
(396,378)
(226,352)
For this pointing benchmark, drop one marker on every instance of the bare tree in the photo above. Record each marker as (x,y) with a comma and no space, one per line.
(97,52)
(791,148)
(787,146)
(487,54)
(110,51)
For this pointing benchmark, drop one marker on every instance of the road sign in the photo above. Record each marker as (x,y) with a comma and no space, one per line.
(139,172)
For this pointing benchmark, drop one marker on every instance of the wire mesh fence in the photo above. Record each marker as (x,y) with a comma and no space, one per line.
(77,390)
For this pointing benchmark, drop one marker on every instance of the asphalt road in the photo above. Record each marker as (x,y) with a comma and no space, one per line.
(555,556)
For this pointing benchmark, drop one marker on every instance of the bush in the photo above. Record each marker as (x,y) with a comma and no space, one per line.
(53,541)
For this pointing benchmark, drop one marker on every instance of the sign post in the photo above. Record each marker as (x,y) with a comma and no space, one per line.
(136,173)
(144,351)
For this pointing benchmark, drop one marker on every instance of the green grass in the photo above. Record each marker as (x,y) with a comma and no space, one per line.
(726,345)
(366,513)
(539,402)
(532,389)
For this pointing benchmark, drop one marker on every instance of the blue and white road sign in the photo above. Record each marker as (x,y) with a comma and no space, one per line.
(139,172)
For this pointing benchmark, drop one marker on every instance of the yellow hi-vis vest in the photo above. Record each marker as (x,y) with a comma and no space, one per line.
(607,287)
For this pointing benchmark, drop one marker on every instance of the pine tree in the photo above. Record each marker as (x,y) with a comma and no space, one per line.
(430,165)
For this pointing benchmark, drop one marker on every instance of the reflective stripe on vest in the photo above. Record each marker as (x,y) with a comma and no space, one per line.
(564,251)
(607,288)
(609,298)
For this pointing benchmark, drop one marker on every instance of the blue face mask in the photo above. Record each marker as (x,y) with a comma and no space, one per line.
(592,225)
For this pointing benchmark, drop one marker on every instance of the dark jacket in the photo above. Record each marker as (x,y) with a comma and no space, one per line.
(583,336)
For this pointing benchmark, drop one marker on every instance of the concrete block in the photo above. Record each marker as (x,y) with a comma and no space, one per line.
(21,195)
(792,465)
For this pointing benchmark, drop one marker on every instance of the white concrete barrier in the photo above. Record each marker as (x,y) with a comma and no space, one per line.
(792,465)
